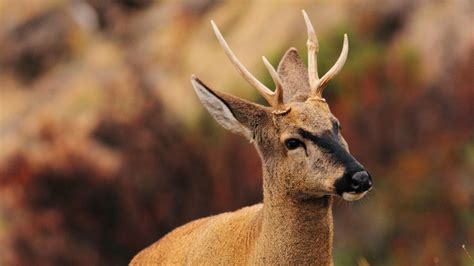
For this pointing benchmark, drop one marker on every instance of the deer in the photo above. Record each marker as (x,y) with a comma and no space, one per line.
(305,164)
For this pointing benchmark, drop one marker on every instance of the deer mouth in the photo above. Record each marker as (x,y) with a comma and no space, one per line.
(352,196)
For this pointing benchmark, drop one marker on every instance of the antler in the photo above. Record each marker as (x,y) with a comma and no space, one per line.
(274,98)
(318,84)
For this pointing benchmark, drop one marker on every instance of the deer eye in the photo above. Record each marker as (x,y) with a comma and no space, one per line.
(292,144)
(336,128)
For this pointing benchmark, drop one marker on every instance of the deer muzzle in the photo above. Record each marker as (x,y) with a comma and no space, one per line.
(354,185)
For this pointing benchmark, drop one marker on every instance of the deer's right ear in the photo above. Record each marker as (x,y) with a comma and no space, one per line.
(235,114)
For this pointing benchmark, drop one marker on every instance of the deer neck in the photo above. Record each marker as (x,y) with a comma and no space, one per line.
(295,231)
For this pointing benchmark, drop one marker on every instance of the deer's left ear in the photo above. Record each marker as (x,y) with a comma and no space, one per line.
(235,114)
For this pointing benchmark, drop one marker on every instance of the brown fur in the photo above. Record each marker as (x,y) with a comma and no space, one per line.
(294,76)
(294,224)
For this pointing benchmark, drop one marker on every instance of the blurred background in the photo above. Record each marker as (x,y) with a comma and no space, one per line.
(104,146)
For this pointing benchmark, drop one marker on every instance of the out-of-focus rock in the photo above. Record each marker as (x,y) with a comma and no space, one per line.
(38,44)
(439,33)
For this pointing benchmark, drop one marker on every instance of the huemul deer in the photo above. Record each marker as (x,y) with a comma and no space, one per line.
(305,161)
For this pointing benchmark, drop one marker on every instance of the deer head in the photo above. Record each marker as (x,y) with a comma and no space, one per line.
(298,138)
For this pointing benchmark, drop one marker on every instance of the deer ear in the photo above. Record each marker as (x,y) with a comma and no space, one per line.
(294,75)
(235,114)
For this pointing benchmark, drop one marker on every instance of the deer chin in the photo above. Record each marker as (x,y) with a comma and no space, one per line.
(351,196)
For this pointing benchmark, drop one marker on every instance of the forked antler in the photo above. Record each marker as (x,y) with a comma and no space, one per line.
(317,84)
(274,98)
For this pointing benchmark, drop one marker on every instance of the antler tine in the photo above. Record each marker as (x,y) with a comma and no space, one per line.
(334,69)
(278,93)
(264,91)
(316,84)
(313,49)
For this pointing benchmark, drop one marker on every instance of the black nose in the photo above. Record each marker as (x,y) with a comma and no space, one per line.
(361,181)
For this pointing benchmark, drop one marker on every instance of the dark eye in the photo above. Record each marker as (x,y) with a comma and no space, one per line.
(292,144)
(336,128)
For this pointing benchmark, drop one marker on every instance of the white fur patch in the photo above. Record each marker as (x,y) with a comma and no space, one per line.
(353,196)
(219,110)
